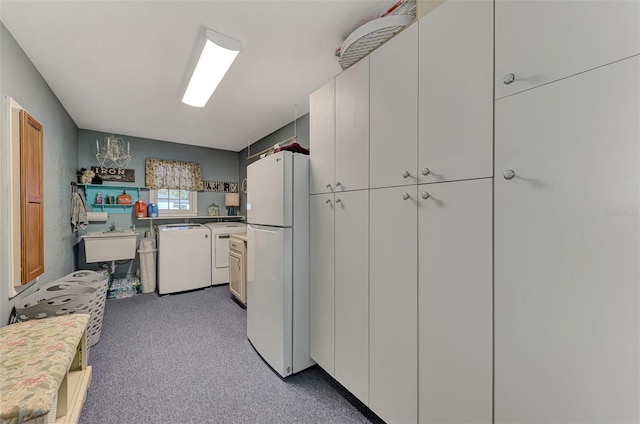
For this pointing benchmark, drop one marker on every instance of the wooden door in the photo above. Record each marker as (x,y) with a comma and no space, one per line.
(543,41)
(394,111)
(32,197)
(321,290)
(393,321)
(566,250)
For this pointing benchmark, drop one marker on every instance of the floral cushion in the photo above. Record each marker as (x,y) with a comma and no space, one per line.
(34,358)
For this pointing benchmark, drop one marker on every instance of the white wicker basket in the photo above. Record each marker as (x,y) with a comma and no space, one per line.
(79,292)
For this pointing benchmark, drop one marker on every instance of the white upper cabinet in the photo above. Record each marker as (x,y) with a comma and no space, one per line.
(322,138)
(538,42)
(352,128)
(394,111)
(566,250)
(456,92)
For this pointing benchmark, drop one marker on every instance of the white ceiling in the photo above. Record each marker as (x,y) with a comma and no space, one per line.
(122,66)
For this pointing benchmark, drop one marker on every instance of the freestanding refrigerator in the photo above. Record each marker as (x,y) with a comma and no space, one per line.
(278,260)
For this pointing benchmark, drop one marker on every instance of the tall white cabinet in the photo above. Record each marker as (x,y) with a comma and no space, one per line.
(567,246)
(455,302)
(322,286)
(393,315)
(352,292)
(478,262)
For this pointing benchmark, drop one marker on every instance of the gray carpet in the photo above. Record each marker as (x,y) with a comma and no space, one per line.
(185,358)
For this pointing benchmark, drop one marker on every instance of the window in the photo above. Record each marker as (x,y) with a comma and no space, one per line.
(173,186)
(175,202)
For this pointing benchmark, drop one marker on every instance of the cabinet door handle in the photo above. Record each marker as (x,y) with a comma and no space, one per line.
(425,171)
(338,184)
(329,186)
(508,174)
(509,78)
(405,174)
(406,196)
(338,201)
(425,195)
(328,201)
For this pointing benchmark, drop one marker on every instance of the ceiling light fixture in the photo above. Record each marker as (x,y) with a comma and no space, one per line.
(217,54)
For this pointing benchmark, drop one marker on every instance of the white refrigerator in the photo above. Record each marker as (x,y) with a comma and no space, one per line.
(278,260)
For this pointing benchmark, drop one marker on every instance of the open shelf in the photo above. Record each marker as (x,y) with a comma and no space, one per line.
(92,190)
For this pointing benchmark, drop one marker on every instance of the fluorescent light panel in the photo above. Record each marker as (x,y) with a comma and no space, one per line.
(218,53)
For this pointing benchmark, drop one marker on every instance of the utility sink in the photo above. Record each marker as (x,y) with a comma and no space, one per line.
(107,246)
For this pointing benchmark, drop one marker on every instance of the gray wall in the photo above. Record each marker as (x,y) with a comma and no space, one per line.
(302,131)
(216,165)
(20,79)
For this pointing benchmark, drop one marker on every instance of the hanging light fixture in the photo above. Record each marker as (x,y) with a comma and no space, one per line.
(217,54)
(113,153)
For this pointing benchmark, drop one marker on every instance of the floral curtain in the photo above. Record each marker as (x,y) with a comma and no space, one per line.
(173,174)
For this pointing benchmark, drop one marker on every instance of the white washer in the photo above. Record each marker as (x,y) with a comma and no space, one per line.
(220,232)
(184,257)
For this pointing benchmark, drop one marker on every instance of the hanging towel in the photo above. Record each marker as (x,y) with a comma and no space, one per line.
(78,212)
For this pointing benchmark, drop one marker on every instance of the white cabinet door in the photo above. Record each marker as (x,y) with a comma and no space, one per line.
(456,92)
(394,111)
(352,128)
(322,138)
(455,302)
(567,249)
(543,41)
(393,321)
(352,292)
(321,295)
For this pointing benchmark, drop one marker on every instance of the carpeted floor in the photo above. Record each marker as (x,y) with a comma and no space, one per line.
(185,359)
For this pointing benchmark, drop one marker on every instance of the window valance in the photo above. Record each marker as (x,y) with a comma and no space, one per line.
(172,174)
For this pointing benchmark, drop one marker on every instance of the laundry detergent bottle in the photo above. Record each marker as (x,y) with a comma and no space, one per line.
(140,209)
(152,210)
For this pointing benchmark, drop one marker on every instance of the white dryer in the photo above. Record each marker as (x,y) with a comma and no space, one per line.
(220,233)
(184,257)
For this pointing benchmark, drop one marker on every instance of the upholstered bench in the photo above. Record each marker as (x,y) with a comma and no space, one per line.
(44,374)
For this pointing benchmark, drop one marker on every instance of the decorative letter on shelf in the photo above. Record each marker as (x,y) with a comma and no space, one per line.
(220,186)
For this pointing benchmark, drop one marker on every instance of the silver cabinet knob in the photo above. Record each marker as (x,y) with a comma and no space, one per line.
(405,174)
(405,195)
(425,195)
(338,201)
(425,171)
(509,78)
(508,174)
(328,186)
(338,184)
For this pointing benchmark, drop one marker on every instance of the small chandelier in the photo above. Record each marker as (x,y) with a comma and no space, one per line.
(113,153)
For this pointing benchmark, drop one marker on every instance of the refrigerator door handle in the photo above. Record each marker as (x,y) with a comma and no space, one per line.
(265,229)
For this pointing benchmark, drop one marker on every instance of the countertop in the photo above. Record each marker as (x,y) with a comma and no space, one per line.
(240,236)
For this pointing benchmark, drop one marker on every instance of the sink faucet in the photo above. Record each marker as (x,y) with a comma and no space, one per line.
(112,227)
